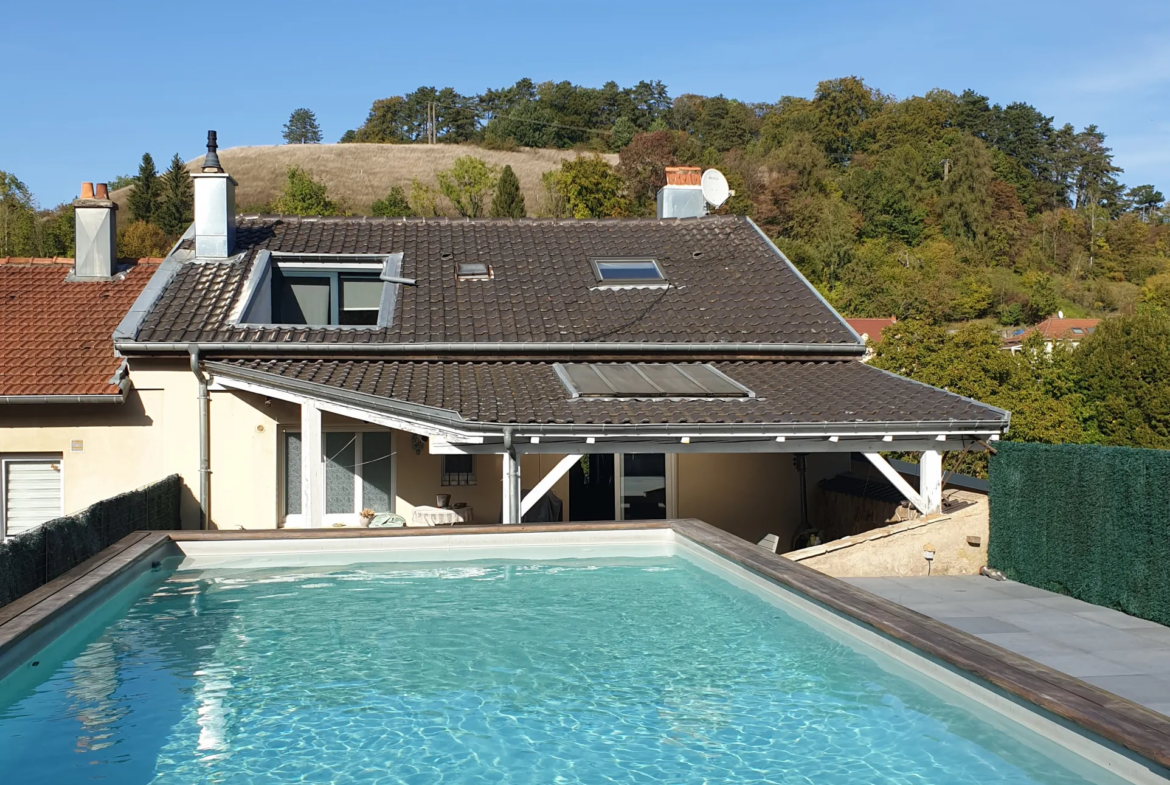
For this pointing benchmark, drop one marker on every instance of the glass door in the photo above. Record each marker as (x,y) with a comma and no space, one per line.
(359,474)
(645,486)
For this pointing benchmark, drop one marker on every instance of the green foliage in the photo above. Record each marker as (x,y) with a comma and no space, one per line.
(141,239)
(467,184)
(302,195)
(1123,369)
(26,230)
(588,187)
(176,206)
(1041,297)
(508,201)
(394,205)
(122,181)
(1087,521)
(1156,293)
(424,200)
(144,197)
(302,128)
(1037,387)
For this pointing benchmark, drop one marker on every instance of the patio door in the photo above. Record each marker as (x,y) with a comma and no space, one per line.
(645,486)
(359,474)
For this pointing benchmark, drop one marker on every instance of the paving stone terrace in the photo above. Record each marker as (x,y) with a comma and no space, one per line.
(1122,654)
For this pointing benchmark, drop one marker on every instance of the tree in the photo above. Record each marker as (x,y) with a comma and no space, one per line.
(17,217)
(966,201)
(1042,301)
(302,128)
(395,205)
(1144,200)
(176,206)
(141,239)
(590,188)
(144,197)
(467,184)
(1123,369)
(508,201)
(302,195)
(1156,293)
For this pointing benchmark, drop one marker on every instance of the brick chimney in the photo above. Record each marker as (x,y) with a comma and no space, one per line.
(96,234)
(215,206)
(682,197)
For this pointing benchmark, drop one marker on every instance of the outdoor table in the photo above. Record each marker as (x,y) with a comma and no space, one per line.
(442,516)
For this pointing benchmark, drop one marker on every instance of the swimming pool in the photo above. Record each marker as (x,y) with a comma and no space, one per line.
(631,662)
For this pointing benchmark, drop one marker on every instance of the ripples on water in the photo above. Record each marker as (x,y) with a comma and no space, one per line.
(637,671)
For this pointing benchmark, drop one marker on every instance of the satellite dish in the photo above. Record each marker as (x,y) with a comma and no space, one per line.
(1060,314)
(715,188)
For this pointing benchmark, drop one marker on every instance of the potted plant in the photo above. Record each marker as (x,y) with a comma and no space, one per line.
(367,515)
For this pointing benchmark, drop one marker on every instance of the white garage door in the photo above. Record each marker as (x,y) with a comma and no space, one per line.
(32,493)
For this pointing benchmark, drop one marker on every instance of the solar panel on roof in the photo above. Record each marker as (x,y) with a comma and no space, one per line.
(648,380)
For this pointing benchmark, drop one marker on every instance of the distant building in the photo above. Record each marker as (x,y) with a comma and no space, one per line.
(1069,332)
(870,331)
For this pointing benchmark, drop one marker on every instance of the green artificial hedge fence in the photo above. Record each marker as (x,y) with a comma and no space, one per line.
(31,559)
(1087,521)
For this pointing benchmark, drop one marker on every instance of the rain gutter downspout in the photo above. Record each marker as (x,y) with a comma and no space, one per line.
(204,441)
(512,478)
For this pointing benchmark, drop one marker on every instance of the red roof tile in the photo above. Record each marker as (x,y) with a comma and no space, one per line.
(1058,330)
(871,327)
(56,336)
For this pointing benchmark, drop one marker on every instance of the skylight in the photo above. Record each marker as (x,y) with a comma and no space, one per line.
(466,271)
(648,380)
(626,272)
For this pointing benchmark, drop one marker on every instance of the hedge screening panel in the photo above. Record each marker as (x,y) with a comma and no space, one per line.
(31,559)
(1087,521)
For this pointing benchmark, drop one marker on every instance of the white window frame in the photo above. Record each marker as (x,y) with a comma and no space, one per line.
(349,519)
(619,472)
(32,457)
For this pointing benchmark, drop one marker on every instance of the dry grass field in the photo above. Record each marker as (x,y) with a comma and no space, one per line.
(358,174)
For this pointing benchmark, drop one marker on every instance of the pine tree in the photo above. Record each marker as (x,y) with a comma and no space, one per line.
(508,201)
(176,207)
(144,197)
(302,128)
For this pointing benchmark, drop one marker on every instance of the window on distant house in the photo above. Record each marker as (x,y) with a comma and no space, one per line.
(627,272)
(1078,331)
(458,470)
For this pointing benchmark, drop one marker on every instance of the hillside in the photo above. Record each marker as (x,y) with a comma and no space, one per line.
(358,174)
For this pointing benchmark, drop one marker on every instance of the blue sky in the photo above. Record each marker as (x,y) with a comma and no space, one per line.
(90,86)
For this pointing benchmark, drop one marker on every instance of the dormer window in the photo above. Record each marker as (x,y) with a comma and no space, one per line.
(322,290)
(628,272)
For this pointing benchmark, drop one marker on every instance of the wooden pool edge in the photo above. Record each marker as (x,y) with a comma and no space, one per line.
(1127,724)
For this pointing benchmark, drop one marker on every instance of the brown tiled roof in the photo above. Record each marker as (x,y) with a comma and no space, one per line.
(727,284)
(787,393)
(55,335)
(1058,330)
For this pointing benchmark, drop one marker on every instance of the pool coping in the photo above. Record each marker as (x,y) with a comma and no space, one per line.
(1121,721)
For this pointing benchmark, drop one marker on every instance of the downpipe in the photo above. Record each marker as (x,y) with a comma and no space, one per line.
(204,402)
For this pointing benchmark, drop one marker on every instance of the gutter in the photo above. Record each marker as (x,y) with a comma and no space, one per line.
(42,399)
(470,347)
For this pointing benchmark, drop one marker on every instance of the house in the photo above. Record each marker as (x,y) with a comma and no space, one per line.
(65,396)
(1054,330)
(870,331)
(297,371)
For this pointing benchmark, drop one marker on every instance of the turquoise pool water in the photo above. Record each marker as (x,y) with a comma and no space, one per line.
(630,671)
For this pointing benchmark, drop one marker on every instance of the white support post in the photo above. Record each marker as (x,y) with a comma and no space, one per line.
(897,480)
(312,466)
(548,481)
(511,484)
(930,476)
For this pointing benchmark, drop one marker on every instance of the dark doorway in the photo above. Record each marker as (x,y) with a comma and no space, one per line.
(591,494)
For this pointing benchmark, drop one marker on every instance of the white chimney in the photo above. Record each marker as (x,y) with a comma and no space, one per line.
(682,197)
(215,206)
(95,233)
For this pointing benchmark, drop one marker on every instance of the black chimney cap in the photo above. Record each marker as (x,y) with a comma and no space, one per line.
(211,162)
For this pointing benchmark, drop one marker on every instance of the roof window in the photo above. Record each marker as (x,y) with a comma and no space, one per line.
(473,271)
(648,380)
(1078,331)
(627,272)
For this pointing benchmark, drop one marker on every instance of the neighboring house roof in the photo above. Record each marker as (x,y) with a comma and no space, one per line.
(813,394)
(727,284)
(1057,330)
(871,328)
(55,335)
